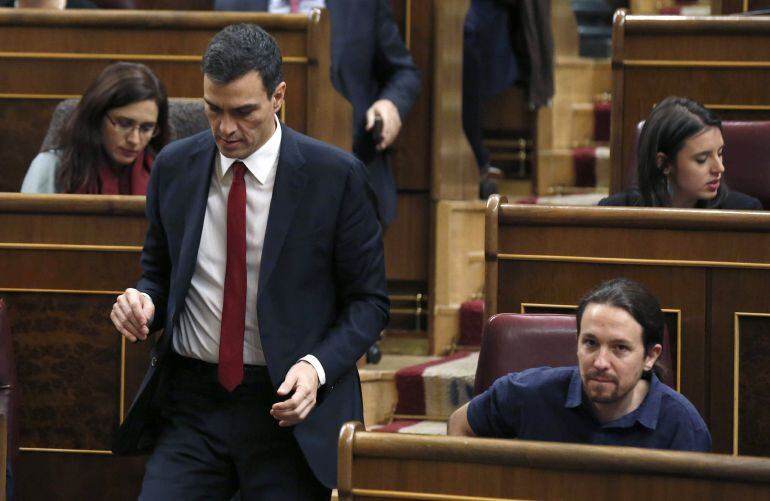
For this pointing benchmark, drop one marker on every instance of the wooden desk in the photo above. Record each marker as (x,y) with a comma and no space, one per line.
(709,269)
(63,259)
(380,466)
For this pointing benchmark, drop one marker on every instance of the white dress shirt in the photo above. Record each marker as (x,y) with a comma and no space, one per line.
(198,330)
(283,6)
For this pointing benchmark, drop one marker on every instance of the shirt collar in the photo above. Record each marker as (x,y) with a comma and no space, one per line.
(575,390)
(262,161)
(646,414)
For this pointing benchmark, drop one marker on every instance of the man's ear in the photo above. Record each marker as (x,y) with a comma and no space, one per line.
(662,163)
(652,356)
(278,95)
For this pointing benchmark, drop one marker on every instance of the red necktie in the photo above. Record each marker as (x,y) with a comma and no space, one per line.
(234,305)
(294,6)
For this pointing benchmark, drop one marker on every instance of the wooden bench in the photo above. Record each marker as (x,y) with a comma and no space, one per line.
(379,466)
(63,259)
(47,57)
(709,269)
(720,61)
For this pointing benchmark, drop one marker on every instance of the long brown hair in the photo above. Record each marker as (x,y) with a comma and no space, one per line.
(80,141)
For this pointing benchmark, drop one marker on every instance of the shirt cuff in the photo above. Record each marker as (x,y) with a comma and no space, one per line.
(312,360)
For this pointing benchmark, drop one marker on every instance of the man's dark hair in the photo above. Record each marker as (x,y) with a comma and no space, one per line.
(240,48)
(636,301)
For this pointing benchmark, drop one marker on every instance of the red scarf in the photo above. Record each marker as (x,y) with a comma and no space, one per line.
(129,180)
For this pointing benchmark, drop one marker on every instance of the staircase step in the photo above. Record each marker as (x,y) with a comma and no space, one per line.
(378,386)
(435,389)
(556,170)
(414,426)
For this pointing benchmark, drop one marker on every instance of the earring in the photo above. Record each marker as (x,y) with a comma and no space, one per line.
(669,188)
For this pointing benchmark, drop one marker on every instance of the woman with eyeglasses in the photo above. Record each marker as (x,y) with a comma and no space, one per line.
(109,142)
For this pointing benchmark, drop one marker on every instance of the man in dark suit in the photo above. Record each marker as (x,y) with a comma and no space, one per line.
(373,69)
(264,264)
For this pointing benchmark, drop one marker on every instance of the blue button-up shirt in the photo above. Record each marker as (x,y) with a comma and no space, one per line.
(549,404)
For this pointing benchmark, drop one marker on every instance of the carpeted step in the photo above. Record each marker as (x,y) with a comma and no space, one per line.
(471,324)
(433,390)
(415,426)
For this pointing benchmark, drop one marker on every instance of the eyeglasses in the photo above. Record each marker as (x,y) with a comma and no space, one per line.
(127,126)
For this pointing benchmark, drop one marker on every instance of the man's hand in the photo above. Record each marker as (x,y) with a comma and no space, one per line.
(391,121)
(302,379)
(131,314)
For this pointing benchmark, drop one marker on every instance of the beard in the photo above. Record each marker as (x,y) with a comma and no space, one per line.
(607,391)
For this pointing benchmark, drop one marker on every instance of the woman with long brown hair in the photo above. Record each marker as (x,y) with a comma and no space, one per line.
(110,141)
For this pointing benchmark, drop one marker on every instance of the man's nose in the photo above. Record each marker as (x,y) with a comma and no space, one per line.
(227,126)
(601,361)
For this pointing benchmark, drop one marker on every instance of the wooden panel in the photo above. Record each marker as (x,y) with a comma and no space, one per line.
(48,57)
(60,476)
(454,171)
(68,363)
(406,240)
(458,268)
(654,58)
(63,258)
(753,399)
(741,293)
(395,466)
(706,266)
(411,159)
(27,115)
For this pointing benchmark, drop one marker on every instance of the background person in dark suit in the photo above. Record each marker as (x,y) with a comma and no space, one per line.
(373,69)
(306,282)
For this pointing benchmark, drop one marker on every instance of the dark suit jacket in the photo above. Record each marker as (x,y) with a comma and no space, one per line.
(734,200)
(369,62)
(321,280)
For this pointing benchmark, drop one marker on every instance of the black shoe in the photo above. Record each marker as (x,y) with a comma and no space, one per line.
(487,187)
(488,178)
(373,354)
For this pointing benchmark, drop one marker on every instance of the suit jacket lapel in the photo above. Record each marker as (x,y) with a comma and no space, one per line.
(193,190)
(289,181)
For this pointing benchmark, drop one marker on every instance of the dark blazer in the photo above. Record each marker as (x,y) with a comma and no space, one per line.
(369,62)
(735,200)
(321,280)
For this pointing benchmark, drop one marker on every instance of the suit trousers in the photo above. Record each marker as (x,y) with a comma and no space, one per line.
(214,443)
